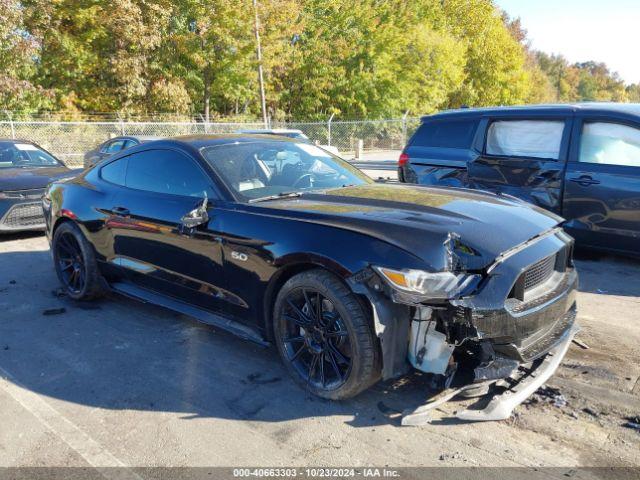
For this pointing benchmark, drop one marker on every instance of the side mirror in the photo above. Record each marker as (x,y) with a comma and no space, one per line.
(197,216)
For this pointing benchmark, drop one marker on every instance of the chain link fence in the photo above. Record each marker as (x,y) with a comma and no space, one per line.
(70,140)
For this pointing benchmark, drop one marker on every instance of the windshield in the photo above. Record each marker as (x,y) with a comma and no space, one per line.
(258,169)
(14,155)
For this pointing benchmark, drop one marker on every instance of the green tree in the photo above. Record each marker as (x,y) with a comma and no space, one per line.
(95,53)
(18,62)
(495,66)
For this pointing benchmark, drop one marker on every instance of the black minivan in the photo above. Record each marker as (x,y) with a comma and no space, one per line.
(580,161)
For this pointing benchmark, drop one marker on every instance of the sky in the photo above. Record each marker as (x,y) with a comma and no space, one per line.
(601,30)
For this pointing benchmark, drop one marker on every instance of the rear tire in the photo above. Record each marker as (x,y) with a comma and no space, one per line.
(75,263)
(324,337)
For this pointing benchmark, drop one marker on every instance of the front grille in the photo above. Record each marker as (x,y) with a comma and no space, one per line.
(539,272)
(24,215)
(539,344)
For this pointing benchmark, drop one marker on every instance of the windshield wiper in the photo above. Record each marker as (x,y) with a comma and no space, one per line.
(276,197)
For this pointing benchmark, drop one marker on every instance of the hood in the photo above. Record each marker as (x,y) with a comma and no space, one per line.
(444,227)
(32,178)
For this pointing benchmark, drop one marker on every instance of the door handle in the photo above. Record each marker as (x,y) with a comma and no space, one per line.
(584,180)
(122,211)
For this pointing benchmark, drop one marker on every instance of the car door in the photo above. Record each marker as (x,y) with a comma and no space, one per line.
(439,151)
(524,156)
(150,241)
(602,187)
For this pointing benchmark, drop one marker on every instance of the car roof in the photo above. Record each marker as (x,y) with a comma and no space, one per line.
(206,140)
(18,140)
(140,138)
(559,108)
(271,130)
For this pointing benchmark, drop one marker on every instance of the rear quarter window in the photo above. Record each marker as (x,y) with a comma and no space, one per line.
(445,134)
(114,172)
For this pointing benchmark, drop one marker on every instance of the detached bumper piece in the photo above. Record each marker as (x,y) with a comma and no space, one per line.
(523,383)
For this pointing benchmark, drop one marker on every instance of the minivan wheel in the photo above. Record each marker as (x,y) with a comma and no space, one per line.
(75,263)
(323,336)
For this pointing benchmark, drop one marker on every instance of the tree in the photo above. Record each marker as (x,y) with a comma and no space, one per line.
(495,73)
(18,62)
(95,53)
(352,58)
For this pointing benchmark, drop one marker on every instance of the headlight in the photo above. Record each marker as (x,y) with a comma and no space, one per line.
(437,285)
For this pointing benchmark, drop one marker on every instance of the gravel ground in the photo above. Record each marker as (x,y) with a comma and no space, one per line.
(116,383)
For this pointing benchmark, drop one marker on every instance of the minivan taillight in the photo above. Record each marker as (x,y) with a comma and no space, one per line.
(403,159)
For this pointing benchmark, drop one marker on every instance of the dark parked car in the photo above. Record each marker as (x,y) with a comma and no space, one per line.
(25,170)
(579,161)
(113,146)
(280,241)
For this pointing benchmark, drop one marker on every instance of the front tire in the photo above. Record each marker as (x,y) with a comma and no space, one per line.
(75,263)
(324,337)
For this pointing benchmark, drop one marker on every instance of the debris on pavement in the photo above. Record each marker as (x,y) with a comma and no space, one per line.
(548,395)
(422,414)
(633,422)
(581,344)
(58,293)
(591,411)
(54,311)
(258,379)
(452,456)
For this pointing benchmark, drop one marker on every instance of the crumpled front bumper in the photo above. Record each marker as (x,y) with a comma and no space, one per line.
(526,382)
(522,383)
(524,330)
(493,334)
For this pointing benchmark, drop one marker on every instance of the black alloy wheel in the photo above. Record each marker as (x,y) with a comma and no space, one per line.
(75,263)
(317,343)
(71,265)
(324,336)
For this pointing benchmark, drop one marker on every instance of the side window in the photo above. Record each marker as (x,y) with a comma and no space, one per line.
(129,144)
(610,143)
(114,172)
(445,134)
(112,147)
(525,138)
(167,171)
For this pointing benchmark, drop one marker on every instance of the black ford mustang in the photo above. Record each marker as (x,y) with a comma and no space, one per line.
(354,281)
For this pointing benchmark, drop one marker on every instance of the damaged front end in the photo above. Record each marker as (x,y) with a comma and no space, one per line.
(507,323)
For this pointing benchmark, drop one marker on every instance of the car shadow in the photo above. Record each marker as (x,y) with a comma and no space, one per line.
(607,274)
(7,237)
(119,354)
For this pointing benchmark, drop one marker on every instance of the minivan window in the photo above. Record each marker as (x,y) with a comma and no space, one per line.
(610,143)
(114,172)
(525,138)
(445,134)
(167,171)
